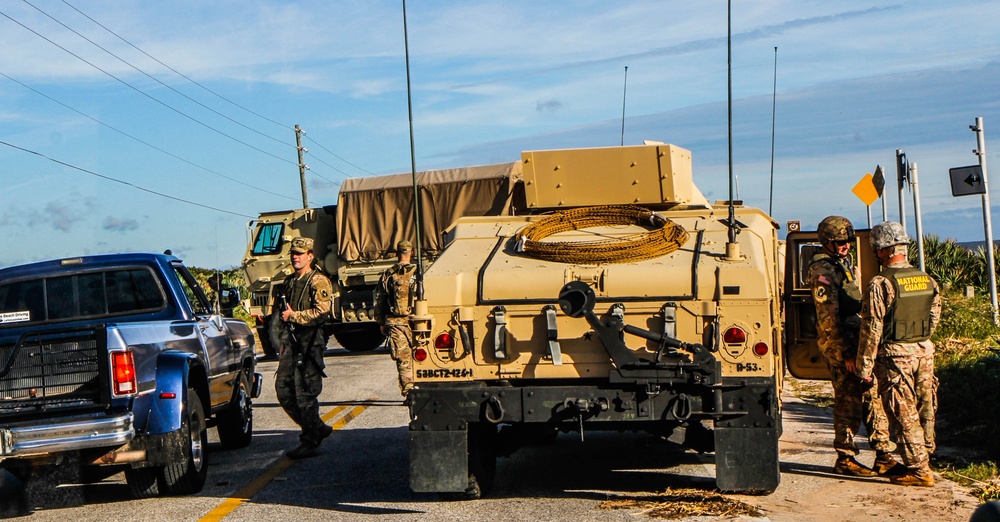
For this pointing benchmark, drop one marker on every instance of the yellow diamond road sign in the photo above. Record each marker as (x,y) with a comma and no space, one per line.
(865,190)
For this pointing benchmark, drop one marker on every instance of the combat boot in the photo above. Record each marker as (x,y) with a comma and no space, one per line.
(849,466)
(919,477)
(885,465)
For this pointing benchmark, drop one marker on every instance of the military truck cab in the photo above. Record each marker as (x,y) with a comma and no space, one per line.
(612,300)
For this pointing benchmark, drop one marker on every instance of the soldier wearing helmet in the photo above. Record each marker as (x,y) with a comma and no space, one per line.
(394,298)
(837,297)
(901,308)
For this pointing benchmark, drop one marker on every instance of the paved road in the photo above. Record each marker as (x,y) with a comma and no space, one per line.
(362,472)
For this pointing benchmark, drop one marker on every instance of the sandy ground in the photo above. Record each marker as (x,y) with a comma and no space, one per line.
(810,491)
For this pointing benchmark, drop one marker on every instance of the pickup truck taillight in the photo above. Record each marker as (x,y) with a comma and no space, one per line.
(123,373)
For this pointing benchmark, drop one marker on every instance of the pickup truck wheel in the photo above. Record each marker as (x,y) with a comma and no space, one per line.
(142,482)
(188,477)
(361,338)
(236,421)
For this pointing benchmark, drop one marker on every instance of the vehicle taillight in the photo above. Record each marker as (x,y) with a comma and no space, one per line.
(734,335)
(445,340)
(760,349)
(420,354)
(123,373)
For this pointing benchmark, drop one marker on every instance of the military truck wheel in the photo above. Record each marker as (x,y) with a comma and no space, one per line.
(265,343)
(359,338)
(482,463)
(188,477)
(142,482)
(236,422)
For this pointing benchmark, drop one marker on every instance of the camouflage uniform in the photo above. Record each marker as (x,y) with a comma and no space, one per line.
(837,323)
(299,378)
(393,304)
(905,370)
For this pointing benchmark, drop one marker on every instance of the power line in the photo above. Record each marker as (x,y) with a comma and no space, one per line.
(109,178)
(182,75)
(227,100)
(151,77)
(150,145)
(136,89)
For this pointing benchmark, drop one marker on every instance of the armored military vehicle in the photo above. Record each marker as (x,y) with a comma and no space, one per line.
(355,240)
(617,298)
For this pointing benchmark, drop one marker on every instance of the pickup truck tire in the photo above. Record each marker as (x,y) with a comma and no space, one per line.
(235,423)
(188,477)
(143,482)
(364,337)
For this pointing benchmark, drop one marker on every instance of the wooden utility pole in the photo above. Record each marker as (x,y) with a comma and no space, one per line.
(302,164)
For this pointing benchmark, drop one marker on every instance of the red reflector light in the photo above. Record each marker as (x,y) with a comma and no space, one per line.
(445,340)
(734,335)
(760,349)
(420,354)
(123,373)
(168,395)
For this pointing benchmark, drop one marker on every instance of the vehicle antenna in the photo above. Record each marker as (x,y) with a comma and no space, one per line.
(624,90)
(413,165)
(732,248)
(774,96)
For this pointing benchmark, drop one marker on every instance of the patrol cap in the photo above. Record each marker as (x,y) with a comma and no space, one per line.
(404,246)
(301,245)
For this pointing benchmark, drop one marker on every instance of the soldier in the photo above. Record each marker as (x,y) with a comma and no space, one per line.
(304,306)
(393,305)
(837,296)
(901,309)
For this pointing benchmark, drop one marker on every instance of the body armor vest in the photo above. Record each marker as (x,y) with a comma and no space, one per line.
(398,288)
(908,319)
(849,293)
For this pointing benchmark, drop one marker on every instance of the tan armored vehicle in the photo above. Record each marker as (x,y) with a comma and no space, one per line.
(355,240)
(613,300)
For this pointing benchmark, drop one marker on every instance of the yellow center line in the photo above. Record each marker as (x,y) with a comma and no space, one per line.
(251,489)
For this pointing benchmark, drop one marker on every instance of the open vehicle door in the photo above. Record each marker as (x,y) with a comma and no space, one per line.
(802,356)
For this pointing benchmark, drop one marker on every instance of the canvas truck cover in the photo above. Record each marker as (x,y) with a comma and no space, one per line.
(375,213)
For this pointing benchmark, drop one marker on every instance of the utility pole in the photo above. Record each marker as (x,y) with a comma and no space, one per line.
(987,215)
(302,164)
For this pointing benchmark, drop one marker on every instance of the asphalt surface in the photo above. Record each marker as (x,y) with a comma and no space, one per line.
(362,472)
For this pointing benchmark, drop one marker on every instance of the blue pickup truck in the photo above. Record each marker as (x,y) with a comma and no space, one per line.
(120,361)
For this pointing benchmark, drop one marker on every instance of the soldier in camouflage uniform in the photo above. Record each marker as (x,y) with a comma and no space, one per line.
(901,309)
(835,292)
(299,378)
(393,304)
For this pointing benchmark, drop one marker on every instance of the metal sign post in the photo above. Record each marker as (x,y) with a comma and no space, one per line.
(916,214)
(987,216)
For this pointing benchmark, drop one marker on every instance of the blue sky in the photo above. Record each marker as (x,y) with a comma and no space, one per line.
(152,125)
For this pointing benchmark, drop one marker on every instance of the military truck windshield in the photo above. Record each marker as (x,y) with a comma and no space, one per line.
(84,295)
(268,239)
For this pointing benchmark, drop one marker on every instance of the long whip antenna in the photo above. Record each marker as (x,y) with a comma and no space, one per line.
(732,248)
(413,164)
(774,97)
(624,90)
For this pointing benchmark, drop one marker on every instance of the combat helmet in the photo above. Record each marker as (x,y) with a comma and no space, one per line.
(887,234)
(835,228)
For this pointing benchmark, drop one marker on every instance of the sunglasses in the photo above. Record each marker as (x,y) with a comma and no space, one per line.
(842,243)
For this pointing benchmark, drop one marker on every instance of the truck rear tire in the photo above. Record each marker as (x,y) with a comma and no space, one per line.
(362,337)
(236,421)
(188,477)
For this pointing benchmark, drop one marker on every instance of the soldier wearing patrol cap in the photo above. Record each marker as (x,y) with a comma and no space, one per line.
(394,297)
(902,306)
(837,297)
(305,306)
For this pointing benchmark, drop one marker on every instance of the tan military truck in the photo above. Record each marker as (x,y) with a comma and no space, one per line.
(617,298)
(355,240)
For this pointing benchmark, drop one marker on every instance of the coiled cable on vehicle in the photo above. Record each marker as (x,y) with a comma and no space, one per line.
(664,238)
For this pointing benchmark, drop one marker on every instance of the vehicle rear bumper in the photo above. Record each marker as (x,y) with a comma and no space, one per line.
(65,434)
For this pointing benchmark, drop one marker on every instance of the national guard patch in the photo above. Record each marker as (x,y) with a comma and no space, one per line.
(820,294)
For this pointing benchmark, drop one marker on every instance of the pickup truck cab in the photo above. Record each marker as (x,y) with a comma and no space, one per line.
(121,360)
